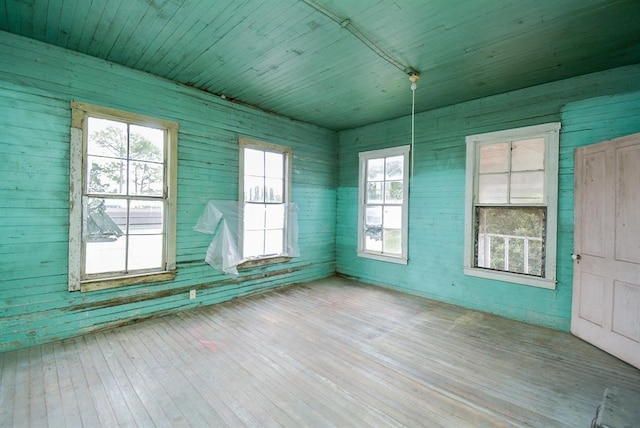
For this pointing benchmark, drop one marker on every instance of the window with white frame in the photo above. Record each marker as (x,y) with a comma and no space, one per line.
(265,182)
(383,204)
(511,205)
(123,198)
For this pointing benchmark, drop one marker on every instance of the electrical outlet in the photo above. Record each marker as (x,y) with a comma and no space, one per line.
(192,294)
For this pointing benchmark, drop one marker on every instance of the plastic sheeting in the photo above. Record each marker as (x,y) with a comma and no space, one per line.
(223,219)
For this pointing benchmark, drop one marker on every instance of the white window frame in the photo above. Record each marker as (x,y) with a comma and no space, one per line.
(550,132)
(249,143)
(362,181)
(80,112)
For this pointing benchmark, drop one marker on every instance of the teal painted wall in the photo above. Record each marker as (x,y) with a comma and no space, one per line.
(592,108)
(37,82)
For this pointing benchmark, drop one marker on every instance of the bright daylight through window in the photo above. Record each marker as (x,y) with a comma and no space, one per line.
(511,206)
(125,217)
(265,192)
(383,211)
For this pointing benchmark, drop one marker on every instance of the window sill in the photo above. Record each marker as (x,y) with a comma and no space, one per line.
(512,278)
(122,281)
(383,258)
(262,262)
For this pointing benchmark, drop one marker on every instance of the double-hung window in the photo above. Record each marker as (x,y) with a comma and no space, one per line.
(383,204)
(511,205)
(265,183)
(123,198)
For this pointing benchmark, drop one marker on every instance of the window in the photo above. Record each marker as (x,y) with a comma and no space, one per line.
(511,205)
(383,204)
(123,198)
(265,189)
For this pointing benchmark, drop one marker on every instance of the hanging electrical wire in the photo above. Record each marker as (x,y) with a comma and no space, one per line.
(348,25)
(414,75)
(414,78)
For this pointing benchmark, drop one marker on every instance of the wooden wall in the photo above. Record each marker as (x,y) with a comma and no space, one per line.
(591,108)
(37,82)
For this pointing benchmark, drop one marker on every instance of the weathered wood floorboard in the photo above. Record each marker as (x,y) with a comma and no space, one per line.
(328,353)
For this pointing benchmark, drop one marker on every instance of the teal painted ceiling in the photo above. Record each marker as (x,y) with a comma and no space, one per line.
(288,57)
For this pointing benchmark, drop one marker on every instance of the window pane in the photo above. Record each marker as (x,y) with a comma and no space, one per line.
(253,162)
(527,187)
(536,258)
(254,216)
(146,144)
(145,252)
(104,220)
(253,243)
(494,158)
(394,168)
(492,189)
(511,239)
(373,228)
(375,169)
(107,256)
(393,192)
(274,190)
(373,216)
(392,217)
(145,178)
(106,175)
(106,138)
(273,242)
(527,155)
(275,216)
(105,228)
(373,239)
(274,165)
(392,241)
(374,192)
(146,217)
(253,189)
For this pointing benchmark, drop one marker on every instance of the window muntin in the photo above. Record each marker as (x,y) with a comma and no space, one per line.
(123,228)
(512,205)
(383,214)
(265,184)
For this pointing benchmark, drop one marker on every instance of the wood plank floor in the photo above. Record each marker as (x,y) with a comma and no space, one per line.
(328,353)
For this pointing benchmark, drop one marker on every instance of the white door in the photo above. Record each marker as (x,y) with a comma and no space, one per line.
(606,278)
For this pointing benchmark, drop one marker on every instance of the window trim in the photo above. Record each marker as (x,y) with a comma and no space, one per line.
(363,158)
(550,132)
(80,111)
(245,142)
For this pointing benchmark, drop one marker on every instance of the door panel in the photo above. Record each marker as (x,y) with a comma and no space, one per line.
(626,305)
(593,206)
(627,204)
(591,297)
(606,280)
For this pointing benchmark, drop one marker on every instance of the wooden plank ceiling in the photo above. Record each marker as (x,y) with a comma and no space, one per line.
(287,57)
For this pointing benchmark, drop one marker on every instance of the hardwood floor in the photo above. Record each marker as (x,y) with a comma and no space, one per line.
(329,353)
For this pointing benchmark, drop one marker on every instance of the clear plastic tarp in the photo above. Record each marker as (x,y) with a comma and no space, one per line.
(226,221)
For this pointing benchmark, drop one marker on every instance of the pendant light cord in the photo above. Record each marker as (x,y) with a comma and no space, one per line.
(414,78)
(413,125)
